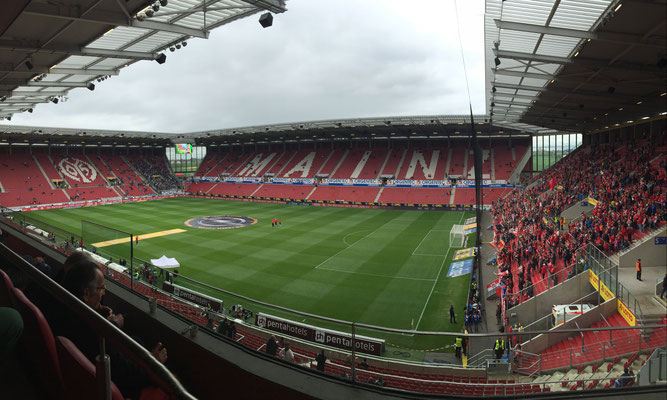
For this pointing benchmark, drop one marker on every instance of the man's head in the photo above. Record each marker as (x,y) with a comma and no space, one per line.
(85,280)
(75,258)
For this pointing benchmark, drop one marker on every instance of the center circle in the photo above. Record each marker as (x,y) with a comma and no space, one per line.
(220,222)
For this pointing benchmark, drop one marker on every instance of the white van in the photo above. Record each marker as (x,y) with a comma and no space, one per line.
(565,312)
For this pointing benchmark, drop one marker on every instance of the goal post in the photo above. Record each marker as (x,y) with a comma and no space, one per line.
(457,236)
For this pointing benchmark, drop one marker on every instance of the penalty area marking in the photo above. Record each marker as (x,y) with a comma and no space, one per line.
(422,241)
(141,237)
(352,233)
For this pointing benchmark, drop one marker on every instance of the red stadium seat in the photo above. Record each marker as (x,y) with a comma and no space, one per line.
(39,346)
(6,286)
(79,373)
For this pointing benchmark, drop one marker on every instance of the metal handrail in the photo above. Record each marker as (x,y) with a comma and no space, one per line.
(611,342)
(155,369)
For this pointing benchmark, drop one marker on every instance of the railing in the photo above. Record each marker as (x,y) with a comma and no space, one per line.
(57,234)
(554,279)
(654,369)
(607,271)
(156,370)
(526,363)
(611,341)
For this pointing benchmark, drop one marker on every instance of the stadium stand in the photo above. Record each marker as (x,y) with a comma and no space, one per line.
(333,193)
(533,233)
(24,183)
(373,159)
(283,191)
(155,171)
(130,183)
(412,195)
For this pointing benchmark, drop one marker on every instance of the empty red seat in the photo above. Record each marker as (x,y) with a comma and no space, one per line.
(39,346)
(6,287)
(79,373)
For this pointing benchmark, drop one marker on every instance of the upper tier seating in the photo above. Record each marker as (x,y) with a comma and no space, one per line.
(131,183)
(420,164)
(24,183)
(77,170)
(368,161)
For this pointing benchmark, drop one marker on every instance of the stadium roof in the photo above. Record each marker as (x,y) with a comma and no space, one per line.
(396,127)
(575,65)
(48,48)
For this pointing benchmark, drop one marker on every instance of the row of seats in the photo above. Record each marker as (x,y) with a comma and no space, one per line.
(63,371)
(27,179)
(366,163)
(387,195)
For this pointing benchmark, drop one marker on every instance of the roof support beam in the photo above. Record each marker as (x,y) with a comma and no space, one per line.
(56,84)
(516,55)
(75,71)
(166,27)
(621,38)
(547,90)
(31,93)
(514,96)
(20,46)
(521,74)
(106,18)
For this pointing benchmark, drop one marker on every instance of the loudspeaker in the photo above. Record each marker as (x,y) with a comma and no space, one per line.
(266,20)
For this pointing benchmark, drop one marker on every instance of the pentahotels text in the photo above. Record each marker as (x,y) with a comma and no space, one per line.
(286,328)
(322,336)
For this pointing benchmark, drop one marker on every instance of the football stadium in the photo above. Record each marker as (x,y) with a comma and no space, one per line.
(518,251)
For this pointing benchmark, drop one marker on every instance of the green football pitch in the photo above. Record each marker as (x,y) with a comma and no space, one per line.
(378,267)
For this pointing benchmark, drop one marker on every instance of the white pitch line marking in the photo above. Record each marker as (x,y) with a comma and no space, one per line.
(345,248)
(377,275)
(436,280)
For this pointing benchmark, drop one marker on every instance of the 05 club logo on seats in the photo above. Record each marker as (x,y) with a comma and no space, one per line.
(220,222)
(77,170)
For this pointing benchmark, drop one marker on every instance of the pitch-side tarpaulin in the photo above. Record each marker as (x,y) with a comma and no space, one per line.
(165,262)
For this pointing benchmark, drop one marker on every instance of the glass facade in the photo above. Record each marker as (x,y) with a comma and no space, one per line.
(549,149)
(185,163)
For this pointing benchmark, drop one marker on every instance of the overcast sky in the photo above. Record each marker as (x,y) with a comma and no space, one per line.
(322,59)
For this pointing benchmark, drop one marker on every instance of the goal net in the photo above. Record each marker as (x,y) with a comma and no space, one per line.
(456,236)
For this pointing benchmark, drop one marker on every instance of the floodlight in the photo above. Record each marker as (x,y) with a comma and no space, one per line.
(163,3)
(493,89)
(140,17)
(156,7)
(28,64)
(54,100)
(149,13)
(184,44)
(178,46)
(172,49)
(497,61)
(266,20)
(90,86)
(160,58)
(30,110)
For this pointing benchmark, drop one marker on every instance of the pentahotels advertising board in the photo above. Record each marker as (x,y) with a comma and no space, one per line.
(193,297)
(321,336)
